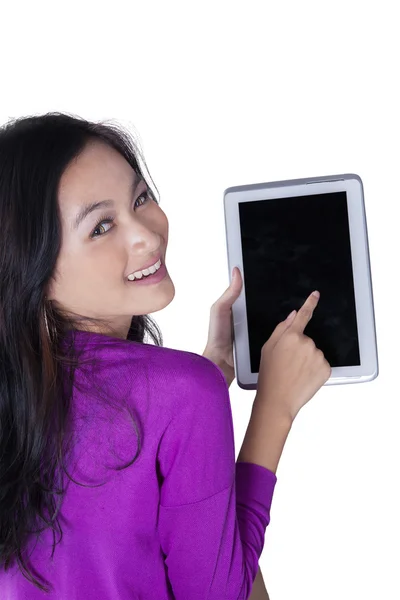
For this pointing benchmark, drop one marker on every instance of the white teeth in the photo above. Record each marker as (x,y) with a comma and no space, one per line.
(145,272)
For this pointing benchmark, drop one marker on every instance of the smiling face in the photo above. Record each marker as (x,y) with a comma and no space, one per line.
(102,247)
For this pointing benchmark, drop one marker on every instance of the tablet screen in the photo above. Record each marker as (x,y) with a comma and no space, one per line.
(291,247)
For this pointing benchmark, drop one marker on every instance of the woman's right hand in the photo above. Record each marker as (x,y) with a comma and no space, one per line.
(292,369)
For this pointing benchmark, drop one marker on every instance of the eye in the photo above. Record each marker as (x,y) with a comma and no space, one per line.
(108,219)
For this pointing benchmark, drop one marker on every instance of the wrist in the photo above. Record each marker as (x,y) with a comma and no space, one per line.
(276,410)
(265,436)
(227,371)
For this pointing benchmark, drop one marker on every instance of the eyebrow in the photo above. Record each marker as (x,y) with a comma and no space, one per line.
(87,209)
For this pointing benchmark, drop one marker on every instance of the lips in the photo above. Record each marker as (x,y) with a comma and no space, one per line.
(149,264)
(155,278)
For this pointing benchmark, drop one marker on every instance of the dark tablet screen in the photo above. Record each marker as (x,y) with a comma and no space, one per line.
(291,247)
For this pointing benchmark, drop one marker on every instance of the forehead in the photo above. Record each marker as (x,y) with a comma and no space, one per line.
(99,172)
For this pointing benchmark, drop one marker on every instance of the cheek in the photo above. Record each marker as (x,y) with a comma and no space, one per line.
(166,230)
(162,224)
(86,263)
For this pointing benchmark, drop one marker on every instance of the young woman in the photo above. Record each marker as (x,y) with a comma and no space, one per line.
(153,504)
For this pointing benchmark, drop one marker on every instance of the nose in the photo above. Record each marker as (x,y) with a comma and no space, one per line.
(145,242)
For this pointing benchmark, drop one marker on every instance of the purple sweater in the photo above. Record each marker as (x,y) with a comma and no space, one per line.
(184,521)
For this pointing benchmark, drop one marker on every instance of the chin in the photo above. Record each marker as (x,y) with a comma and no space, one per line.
(164,297)
(157,299)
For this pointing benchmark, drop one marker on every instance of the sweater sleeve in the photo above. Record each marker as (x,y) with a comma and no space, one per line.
(213,512)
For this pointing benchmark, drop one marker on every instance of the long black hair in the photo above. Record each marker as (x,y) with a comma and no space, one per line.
(34,397)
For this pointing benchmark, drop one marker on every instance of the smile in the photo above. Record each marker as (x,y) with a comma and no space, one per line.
(145,272)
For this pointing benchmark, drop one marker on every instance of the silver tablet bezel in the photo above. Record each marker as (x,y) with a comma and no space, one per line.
(352,185)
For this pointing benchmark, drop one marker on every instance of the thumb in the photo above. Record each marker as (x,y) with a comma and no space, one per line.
(235,286)
(236,283)
(231,293)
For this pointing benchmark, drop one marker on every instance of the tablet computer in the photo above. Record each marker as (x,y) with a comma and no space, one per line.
(289,238)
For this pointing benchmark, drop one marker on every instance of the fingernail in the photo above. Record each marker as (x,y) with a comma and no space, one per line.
(316,294)
(291,315)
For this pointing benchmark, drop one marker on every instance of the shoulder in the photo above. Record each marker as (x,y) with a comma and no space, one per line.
(177,365)
(171,376)
(181,371)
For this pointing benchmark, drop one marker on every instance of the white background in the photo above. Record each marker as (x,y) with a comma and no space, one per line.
(230,93)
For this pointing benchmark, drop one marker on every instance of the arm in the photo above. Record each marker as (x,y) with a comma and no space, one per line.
(259,591)
(213,512)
